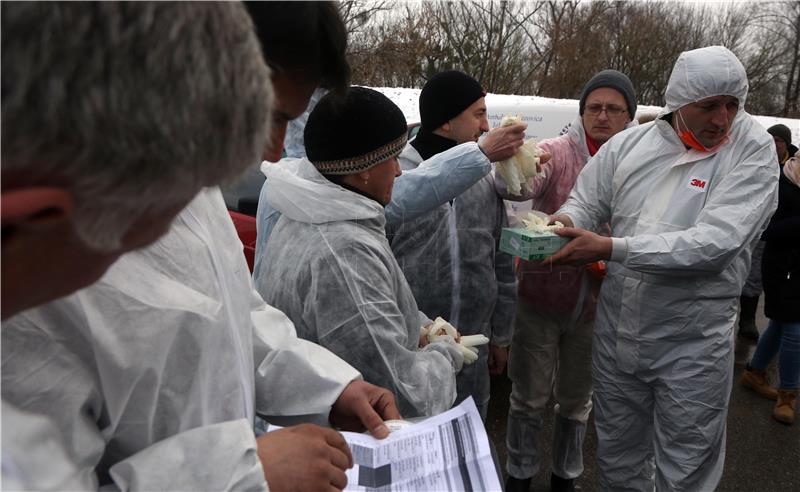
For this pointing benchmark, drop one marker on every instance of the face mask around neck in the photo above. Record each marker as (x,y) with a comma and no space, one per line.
(689,139)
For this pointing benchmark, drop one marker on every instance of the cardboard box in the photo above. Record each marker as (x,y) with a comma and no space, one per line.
(529,245)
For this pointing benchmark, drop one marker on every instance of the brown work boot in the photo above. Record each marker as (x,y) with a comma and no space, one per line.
(757,381)
(784,409)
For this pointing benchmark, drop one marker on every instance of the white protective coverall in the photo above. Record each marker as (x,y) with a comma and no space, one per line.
(329,267)
(683,225)
(415,192)
(451,259)
(153,374)
(33,458)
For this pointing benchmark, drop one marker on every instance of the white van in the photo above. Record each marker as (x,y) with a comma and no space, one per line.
(546,117)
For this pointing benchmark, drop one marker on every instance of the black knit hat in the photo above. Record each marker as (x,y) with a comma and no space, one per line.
(445,96)
(351,133)
(782,132)
(614,80)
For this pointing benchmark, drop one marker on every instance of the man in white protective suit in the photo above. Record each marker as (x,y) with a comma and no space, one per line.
(154,374)
(78,196)
(450,254)
(687,197)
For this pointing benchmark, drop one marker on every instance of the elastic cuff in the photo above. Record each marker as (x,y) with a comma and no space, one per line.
(619,249)
(477,144)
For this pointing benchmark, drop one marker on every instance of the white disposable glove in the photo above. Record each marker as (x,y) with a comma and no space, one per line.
(450,349)
(538,224)
(525,163)
(442,330)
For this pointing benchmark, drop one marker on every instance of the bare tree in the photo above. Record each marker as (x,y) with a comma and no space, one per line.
(551,48)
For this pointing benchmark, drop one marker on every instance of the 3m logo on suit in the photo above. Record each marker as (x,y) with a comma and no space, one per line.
(697,184)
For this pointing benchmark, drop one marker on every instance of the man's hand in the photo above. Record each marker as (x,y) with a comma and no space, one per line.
(502,143)
(543,158)
(586,247)
(304,458)
(564,219)
(498,357)
(362,405)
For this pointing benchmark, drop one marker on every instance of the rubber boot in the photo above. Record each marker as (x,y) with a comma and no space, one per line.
(785,408)
(747,318)
(757,381)
(558,484)
(514,484)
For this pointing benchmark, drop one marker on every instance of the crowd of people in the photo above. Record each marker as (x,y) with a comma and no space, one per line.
(139,353)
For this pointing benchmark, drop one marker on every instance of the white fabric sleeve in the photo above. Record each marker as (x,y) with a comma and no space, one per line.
(436,181)
(363,324)
(736,211)
(424,320)
(293,377)
(34,458)
(215,457)
(619,249)
(448,348)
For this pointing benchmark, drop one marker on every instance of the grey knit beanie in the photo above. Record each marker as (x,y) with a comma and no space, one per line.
(614,80)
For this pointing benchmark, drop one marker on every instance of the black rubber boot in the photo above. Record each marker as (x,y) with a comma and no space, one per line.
(518,484)
(747,318)
(558,484)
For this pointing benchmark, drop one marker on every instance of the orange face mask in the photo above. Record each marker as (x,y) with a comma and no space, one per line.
(688,138)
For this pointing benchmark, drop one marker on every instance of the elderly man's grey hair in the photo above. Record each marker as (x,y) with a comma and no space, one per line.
(131,106)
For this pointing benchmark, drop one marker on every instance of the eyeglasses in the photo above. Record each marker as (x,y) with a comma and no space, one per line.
(611,110)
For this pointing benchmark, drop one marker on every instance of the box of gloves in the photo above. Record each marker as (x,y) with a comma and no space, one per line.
(530,245)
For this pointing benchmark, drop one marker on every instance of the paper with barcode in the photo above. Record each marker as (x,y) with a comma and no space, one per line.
(447,452)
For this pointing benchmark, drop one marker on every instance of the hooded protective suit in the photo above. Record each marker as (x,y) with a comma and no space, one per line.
(329,267)
(683,225)
(30,440)
(416,192)
(451,259)
(153,374)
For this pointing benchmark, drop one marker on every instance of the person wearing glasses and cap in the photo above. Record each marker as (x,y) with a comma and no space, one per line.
(687,197)
(555,312)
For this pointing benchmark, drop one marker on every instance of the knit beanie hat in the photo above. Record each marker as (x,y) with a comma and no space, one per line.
(782,132)
(445,96)
(615,80)
(351,133)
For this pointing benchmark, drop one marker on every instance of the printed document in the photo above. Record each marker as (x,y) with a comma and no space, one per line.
(447,452)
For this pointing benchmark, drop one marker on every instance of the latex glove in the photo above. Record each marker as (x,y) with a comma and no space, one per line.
(467,344)
(523,165)
(446,346)
(538,224)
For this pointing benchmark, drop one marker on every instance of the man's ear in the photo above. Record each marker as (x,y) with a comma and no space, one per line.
(363,176)
(34,207)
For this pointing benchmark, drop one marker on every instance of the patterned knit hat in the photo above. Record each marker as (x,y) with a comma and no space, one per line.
(350,134)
